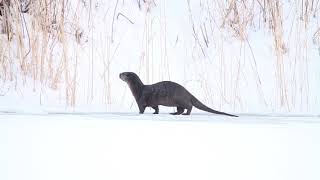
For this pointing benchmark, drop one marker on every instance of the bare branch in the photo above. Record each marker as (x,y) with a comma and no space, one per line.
(120,14)
(114,13)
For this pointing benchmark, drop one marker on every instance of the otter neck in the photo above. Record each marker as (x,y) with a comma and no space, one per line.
(136,89)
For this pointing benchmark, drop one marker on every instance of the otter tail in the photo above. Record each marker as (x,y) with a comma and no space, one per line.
(199,105)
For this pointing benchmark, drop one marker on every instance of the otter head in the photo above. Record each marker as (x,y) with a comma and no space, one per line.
(134,83)
(129,77)
(125,76)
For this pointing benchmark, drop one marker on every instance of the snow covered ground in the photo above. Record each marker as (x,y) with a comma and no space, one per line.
(126,146)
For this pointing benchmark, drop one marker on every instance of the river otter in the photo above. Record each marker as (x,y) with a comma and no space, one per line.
(164,93)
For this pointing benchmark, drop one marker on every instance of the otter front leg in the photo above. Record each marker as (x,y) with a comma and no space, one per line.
(142,104)
(141,109)
(156,108)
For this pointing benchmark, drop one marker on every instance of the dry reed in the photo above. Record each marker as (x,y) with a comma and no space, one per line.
(36,43)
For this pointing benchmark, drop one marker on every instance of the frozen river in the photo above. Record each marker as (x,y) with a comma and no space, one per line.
(122,146)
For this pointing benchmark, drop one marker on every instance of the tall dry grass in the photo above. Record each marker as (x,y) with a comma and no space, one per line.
(36,43)
(238,18)
(37,38)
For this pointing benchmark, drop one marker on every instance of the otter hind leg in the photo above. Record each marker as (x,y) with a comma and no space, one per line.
(179,111)
(156,109)
(188,111)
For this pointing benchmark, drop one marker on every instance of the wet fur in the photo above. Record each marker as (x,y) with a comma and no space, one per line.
(164,93)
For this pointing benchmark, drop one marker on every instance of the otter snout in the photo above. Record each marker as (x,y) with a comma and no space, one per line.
(122,76)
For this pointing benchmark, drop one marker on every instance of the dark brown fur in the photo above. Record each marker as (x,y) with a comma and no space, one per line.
(164,93)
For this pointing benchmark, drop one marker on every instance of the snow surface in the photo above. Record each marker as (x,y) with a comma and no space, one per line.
(122,146)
